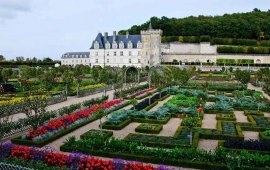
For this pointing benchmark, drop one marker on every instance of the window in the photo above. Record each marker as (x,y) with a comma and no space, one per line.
(121,53)
(96,45)
(129,60)
(121,45)
(96,60)
(108,60)
(129,53)
(96,53)
(107,53)
(114,53)
(139,61)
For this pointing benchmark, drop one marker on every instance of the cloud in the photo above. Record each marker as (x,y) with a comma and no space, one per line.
(10,8)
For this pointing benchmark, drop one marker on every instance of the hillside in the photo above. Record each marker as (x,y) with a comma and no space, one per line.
(250,25)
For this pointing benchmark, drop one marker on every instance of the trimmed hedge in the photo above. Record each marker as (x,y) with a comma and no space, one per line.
(149,128)
(97,134)
(120,126)
(226,117)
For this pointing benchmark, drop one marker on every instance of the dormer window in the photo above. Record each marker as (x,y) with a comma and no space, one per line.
(121,45)
(130,45)
(139,44)
(108,45)
(114,45)
(96,45)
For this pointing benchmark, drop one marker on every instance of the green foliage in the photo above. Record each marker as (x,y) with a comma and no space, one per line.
(242,50)
(242,75)
(266,133)
(247,25)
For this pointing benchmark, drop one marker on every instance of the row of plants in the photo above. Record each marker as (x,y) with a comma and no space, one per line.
(65,124)
(247,144)
(69,161)
(243,50)
(141,94)
(178,156)
(149,101)
(117,117)
(183,100)
(98,89)
(120,93)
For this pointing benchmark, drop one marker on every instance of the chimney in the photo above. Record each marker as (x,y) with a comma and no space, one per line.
(127,34)
(114,35)
(105,37)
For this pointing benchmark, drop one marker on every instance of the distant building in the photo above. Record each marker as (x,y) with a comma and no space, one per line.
(120,50)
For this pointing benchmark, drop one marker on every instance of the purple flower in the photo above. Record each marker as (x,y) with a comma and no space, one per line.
(37,154)
(5,149)
(118,164)
(74,159)
(163,167)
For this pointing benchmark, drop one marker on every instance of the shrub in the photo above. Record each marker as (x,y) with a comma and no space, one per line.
(247,144)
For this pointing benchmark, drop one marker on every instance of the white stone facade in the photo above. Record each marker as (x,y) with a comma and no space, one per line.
(204,53)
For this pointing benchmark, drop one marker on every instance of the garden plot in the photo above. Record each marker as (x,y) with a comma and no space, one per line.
(160,104)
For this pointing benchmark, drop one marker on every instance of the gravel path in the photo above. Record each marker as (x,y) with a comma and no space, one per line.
(208,145)
(240,116)
(209,121)
(266,114)
(251,135)
(170,128)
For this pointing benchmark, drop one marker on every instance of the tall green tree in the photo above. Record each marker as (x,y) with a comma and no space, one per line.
(68,78)
(6,74)
(2,58)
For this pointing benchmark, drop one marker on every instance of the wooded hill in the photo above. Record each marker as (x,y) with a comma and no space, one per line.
(250,25)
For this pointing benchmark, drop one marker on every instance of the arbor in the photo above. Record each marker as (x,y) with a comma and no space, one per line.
(78,75)
(6,74)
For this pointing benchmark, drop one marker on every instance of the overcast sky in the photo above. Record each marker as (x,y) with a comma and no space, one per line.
(49,28)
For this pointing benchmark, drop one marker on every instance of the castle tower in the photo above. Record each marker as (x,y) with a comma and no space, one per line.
(151,50)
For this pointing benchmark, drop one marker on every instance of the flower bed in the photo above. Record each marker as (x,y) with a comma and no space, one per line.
(226,117)
(71,161)
(63,125)
(177,156)
(149,128)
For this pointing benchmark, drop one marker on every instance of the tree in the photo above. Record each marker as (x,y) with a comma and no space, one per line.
(47,59)
(185,75)
(2,58)
(133,102)
(78,74)
(242,76)
(20,59)
(47,79)
(68,77)
(6,74)
(100,114)
(35,109)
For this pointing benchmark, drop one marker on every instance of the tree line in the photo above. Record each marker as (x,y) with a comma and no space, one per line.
(249,25)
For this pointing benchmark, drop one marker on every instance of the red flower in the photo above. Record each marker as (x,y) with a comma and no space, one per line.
(22,152)
(56,159)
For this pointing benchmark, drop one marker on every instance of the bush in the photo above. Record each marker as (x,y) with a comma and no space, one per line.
(247,144)
(149,128)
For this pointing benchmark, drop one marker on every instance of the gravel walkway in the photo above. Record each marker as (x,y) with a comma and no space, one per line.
(266,114)
(209,121)
(170,128)
(208,145)
(240,116)
(251,135)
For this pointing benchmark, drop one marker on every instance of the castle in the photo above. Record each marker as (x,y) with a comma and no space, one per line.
(120,50)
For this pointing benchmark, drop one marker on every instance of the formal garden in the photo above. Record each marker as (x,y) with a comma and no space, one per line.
(169,118)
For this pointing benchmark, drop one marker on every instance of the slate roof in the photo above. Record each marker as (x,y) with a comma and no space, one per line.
(76,53)
(133,38)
